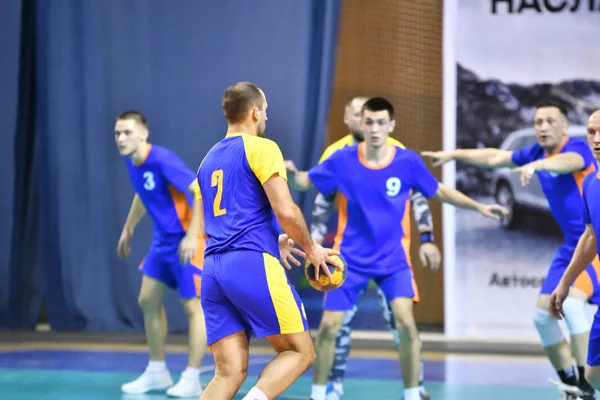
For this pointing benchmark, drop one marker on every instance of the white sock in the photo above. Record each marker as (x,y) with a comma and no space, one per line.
(338,387)
(190,372)
(156,366)
(255,394)
(318,392)
(412,394)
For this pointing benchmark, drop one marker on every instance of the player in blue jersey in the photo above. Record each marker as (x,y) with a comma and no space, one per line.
(428,251)
(375,179)
(561,163)
(164,188)
(245,289)
(587,249)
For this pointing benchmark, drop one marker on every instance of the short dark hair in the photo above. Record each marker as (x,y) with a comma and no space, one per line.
(134,115)
(239,99)
(378,104)
(550,103)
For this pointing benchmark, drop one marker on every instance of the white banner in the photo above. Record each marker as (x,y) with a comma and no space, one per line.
(501,57)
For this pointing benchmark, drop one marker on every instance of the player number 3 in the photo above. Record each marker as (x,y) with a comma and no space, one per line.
(217,180)
(149,180)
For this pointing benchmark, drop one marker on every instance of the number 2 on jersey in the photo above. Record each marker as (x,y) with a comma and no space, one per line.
(217,180)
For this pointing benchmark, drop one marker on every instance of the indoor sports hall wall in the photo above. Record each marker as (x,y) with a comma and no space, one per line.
(81,64)
(393,48)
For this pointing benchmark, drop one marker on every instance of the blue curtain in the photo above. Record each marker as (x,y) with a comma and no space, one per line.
(11,125)
(172,61)
(25,281)
(324,34)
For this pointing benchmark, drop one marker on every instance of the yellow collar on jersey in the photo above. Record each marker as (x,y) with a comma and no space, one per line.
(230,134)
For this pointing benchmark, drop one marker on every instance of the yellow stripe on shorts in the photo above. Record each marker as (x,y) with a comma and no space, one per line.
(286,308)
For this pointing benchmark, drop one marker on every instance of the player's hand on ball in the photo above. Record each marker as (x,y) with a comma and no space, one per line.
(430,255)
(494,211)
(526,173)
(124,247)
(437,158)
(290,166)
(187,248)
(555,307)
(320,257)
(287,249)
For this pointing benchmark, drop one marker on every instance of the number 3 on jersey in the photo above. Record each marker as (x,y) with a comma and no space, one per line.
(149,183)
(217,180)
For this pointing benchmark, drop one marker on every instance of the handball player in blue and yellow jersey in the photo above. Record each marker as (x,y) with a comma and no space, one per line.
(587,249)
(165,189)
(245,290)
(376,180)
(560,163)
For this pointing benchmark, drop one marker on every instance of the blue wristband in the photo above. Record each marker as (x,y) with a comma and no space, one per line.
(427,237)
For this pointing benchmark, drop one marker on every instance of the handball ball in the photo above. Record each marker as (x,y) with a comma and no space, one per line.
(324,283)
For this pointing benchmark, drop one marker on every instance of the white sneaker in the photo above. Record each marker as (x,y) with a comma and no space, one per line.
(148,381)
(568,392)
(333,395)
(186,387)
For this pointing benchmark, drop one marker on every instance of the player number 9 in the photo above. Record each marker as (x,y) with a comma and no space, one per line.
(393,186)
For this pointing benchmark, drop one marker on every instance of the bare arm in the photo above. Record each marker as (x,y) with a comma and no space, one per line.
(451,196)
(561,163)
(585,252)
(189,243)
(136,212)
(197,219)
(299,181)
(487,158)
(287,212)
(456,198)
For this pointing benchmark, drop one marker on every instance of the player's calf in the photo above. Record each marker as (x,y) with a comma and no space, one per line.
(592,375)
(231,367)
(555,346)
(295,354)
(331,322)
(150,300)
(189,384)
(231,376)
(156,376)
(389,319)
(579,328)
(329,328)
(197,331)
(409,346)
